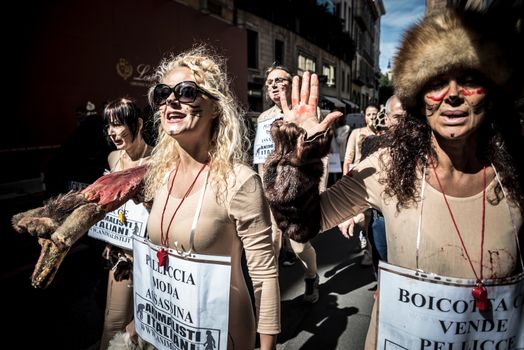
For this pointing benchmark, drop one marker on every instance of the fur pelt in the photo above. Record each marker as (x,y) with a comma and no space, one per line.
(122,341)
(444,42)
(292,176)
(63,220)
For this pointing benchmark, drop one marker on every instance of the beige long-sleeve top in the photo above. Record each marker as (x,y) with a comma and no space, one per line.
(440,249)
(341,135)
(241,223)
(353,151)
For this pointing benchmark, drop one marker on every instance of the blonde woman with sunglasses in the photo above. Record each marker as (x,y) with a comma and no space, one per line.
(208,207)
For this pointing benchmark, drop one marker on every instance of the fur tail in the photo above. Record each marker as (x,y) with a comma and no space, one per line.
(122,341)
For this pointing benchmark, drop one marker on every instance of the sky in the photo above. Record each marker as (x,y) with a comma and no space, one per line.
(400,14)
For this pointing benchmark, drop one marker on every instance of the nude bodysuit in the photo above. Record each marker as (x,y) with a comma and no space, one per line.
(241,222)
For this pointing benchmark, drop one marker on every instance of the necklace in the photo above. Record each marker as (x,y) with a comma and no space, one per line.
(122,212)
(479,292)
(164,237)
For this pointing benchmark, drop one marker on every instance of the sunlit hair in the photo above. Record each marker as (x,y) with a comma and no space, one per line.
(276,66)
(229,141)
(389,103)
(122,111)
(371,106)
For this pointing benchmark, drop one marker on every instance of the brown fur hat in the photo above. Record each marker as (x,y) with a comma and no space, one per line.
(444,42)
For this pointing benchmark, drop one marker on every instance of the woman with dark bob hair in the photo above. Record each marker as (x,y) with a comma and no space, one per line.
(448,180)
(123,126)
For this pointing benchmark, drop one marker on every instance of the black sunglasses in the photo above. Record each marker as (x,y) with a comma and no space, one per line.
(185,92)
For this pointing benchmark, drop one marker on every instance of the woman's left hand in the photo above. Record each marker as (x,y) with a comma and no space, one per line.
(304,102)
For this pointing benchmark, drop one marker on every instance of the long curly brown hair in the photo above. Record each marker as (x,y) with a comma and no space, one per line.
(501,144)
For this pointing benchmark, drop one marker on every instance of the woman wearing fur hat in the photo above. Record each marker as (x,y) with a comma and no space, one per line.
(449,183)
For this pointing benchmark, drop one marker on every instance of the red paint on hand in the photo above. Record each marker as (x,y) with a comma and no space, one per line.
(302,109)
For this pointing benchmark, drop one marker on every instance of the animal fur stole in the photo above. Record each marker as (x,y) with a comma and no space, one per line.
(292,176)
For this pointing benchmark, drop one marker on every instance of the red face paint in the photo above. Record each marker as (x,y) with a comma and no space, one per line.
(470,92)
(440,97)
(467,92)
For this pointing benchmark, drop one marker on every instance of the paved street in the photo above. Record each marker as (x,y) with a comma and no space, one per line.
(340,318)
(68,315)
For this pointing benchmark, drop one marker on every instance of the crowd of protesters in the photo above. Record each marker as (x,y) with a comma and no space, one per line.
(434,181)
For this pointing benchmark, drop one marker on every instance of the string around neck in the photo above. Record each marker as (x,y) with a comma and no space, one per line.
(164,236)
(478,276)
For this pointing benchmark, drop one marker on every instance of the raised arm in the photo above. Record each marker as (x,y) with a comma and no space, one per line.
(294,168)
(303,109)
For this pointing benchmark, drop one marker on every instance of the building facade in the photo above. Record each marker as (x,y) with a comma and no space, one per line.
(68,53)
(362,22)
(97,51)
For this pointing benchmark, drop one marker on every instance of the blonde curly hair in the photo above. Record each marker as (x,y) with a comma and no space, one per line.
(229,140)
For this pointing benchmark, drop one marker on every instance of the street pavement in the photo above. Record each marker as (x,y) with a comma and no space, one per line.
(69,314)
(339,320)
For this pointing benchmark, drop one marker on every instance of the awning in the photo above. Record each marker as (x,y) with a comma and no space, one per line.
(336,102)
(351,104)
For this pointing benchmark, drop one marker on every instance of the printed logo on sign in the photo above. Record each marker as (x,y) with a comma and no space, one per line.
(264,150)
(263,145)
(171,332)
(120,226)
(113,228)
(177,305)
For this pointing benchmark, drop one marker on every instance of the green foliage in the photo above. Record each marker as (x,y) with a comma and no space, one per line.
(384,81)
(385,88)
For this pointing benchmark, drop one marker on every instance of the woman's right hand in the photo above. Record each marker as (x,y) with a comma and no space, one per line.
(303,109)
(347,228)
(106,252)
(130,329)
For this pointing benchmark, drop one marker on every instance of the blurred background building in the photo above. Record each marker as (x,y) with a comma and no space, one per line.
(64,57)
(62,54)
(66,53)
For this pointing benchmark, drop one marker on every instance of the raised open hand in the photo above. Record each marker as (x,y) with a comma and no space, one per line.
(304,101)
